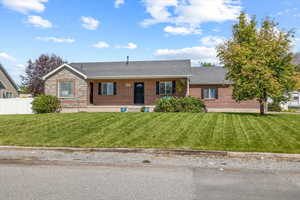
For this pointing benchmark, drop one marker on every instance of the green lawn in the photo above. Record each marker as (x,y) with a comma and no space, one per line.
(229,132)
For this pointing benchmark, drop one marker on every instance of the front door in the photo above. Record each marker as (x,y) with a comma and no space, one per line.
(139,93)
(91,93)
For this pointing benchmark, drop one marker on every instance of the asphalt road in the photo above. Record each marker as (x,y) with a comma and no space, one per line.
(80,182)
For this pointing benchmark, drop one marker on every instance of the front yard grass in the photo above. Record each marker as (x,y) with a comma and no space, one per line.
(211,131)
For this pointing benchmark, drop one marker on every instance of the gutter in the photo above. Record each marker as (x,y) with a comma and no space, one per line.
(139,77)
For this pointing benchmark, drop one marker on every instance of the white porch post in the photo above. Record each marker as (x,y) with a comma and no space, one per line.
(188,87)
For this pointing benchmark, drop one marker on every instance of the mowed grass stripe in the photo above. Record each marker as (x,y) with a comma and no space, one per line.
(149,133)
(209,131)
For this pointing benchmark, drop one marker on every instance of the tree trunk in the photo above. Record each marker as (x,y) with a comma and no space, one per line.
(262,107)
(263,103)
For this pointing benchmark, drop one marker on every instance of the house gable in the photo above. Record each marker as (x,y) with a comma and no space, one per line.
(62,67)
(7,85)
(80,86)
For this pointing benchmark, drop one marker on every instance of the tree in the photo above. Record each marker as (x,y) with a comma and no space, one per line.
(24,89)
(206,64)
(36,70)
(259,61)
(296,61)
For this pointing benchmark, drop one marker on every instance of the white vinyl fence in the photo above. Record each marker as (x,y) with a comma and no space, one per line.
(16,106)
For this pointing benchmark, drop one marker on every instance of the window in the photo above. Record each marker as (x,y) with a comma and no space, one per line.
(66,89)
(296,98)
(107,89)
(166,88)
(8,95)
(210,93)
(1,85)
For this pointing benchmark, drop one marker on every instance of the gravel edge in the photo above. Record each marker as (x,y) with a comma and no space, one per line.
(248,155)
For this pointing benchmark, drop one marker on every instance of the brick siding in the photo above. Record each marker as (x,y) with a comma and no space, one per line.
(80,86)
(224,100)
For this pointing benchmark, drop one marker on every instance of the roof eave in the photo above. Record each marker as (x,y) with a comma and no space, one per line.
(62,66)
(198,83)
(139,77)
(9,78)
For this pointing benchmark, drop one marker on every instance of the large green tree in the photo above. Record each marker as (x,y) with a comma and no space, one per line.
(259,61)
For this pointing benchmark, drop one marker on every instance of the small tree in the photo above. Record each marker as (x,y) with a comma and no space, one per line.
(206,64)
(36,70)
(259,61)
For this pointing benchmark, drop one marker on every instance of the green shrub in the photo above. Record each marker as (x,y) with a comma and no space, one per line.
(274,107)
(174,104)
(45,104)
(294,107)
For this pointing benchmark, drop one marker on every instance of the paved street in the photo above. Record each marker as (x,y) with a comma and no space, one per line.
(90,182)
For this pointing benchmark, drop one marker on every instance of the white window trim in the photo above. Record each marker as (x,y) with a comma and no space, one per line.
(209,93)
(113,92)
(165,88)
(58,90)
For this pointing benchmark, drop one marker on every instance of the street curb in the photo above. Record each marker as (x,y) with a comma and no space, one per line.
(254,155)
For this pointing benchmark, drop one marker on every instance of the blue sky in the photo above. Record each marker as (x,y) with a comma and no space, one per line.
(110,30)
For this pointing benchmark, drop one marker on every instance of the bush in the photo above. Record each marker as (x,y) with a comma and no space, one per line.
(274,107)
(45,104)
(174,104)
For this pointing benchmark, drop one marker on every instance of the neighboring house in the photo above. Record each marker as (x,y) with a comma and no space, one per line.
(140,83)
(295,99)
(8,88)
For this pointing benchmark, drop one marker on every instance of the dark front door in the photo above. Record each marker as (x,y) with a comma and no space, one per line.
(139,93)
(91,93)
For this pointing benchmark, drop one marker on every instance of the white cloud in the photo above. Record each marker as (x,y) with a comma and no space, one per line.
(196,54)
(20,67)
(24,6)
(158,9)
(212,40)
(130,45)
(191,13)
(38,21)
(90,23)
(101,45)
(118,3)
(56,40)
(181,30)
(5,56)
(286,12)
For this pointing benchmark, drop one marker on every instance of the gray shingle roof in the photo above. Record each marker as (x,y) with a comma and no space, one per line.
(135,69)
(209,75)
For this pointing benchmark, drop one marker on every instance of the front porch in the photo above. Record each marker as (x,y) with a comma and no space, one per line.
(108,108)
(112,94)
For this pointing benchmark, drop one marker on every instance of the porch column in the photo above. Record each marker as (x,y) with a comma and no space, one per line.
(188,87)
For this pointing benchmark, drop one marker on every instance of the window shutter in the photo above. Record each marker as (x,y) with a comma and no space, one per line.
(157,87)
(202,93)
(173,87)
(217,93)
(115,88)
(99,89)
